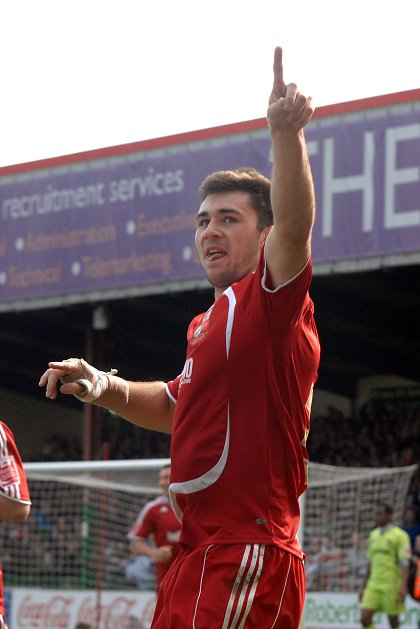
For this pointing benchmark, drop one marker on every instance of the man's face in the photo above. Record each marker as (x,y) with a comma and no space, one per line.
(165,479)
(382,517)
(227,238)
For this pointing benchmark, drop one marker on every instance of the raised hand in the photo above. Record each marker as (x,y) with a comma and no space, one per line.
(288,109)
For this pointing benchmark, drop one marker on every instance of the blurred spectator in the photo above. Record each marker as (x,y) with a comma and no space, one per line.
(141,572)
(357,562)
(324,562)
(58,448)
(412,524)
(123,441)
(413,494)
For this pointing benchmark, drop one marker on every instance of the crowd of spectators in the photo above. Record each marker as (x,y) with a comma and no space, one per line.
(381,434)
(56,448)
(120,441)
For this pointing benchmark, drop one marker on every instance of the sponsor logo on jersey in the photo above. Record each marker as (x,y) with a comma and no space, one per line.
(186,372)
(9,474)
(173,536)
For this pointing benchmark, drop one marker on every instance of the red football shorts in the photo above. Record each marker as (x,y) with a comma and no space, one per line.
(243,586)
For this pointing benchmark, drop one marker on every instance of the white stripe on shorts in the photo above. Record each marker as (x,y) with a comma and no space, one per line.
(201,584)
(282,594)
(249,585)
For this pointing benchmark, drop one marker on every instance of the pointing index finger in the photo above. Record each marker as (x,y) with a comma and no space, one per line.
(278,67)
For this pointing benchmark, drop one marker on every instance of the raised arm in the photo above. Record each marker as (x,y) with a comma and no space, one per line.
(145,404)
(292,193)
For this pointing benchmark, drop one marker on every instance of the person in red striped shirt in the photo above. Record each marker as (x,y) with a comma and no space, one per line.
(15,502)
(158,524)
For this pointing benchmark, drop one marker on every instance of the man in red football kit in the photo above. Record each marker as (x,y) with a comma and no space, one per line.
(157,520)
(15,503)
(239,412)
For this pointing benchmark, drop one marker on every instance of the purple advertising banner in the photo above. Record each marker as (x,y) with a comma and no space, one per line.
(127,221)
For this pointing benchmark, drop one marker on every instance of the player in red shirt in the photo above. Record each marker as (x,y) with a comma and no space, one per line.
(15,503)
(157,521)
(240,411)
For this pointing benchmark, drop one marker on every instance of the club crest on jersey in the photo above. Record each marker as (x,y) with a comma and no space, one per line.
(202,328)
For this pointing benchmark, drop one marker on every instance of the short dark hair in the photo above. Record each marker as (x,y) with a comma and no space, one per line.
(247,180)
(386,507)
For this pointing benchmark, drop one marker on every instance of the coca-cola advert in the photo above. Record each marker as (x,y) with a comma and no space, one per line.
(65,609)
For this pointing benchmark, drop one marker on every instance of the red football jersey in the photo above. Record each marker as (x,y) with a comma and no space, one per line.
(13,483)
(239,459)
(157,520)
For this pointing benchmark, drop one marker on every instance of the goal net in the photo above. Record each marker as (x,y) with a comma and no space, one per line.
(338,512)
(76,534)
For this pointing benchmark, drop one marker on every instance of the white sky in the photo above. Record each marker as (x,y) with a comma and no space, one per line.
(86,74)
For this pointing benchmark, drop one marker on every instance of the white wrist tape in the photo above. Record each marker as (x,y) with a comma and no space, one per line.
(93,390)
(93,381)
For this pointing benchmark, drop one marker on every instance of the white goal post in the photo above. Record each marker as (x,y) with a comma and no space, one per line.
(76,534)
